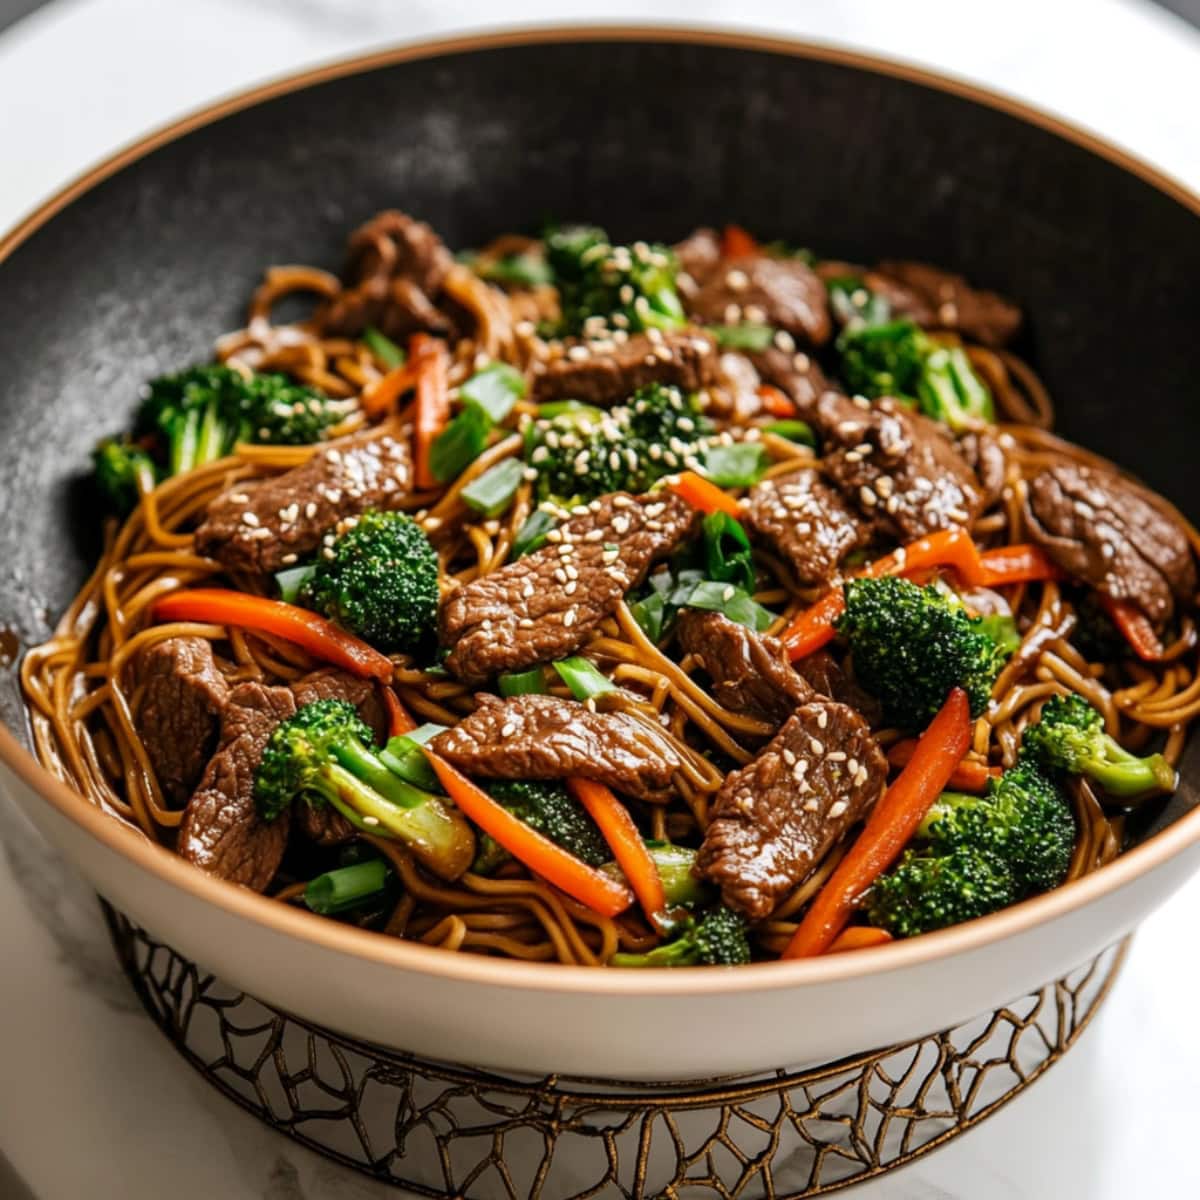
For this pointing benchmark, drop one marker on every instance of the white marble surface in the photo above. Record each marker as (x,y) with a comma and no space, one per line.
(93,1100)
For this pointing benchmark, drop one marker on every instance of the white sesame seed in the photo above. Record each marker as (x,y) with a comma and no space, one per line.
(837,808)
(822,718)
(789,757)
(836,756)
(571,587)
(369,820)
(867,496)
(507,729)
(812,805)
(569,618)
(249,518)
(784,341)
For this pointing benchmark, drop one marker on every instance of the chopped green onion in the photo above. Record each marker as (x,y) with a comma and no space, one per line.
(583,678)
(732,602)
(746,336)
(794,431)
(651,614)
(383,348)
(460,443)
(495,390)
(570,408)
(347,887)
(291,581)
(739,465)
(404,756)
(523,683)
(727,551)
(525,269)
(494,490)
(532,535)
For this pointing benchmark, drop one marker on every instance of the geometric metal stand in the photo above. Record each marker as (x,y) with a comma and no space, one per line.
(449,1131)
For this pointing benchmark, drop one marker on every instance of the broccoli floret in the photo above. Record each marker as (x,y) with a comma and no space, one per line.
(1023,818)
(899,359)
(324,753)
(122,471)
(629,287)
(200,414)
(854,304)
(381,583)
(1070,737)
(718,938)
(977,854)
(547,806)
(912,645)
(583,453)
(928,892)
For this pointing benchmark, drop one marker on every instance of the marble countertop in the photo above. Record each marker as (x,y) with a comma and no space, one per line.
(95,1102)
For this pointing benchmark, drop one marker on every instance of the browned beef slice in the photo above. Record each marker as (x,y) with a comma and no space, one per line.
(269,525)
(698,256)
(781,292)
(1109,532)
(982,316)
(547,604)
(396,267)
(986,457)
(543,737)
(776,818)
(901,469)
(831,679)
(805,521)
(608,371)
(750,672)
(221,829)
(180,711)
(795,373)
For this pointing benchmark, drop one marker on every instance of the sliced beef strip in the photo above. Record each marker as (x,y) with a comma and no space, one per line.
(547,604)
(902,470)
(805,522)
(262,527)
(985,455)
(831,679)
(221,831)
(608,371)
(784,293)
(544,737)
(1109,532)
(180,711)
(777,817)
(750,672)
(981,315)
(396,268)
(698,256)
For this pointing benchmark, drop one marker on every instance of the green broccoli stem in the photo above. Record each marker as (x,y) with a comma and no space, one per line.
(1124,775)
(681,952)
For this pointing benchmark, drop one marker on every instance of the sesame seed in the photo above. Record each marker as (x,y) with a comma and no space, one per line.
(525,623)
(249,518)
(836,756)
(369,820)
(327,553)
(816,745)
(529,474)
(789,757)
(571,587)
(507,729)
(569,618)
(852,766)
(289,558)
(784,341)
(799,769)
(565,550)
(729,592)
(811,805)
(578,353)
(837,808)
(867,496)
(822,719)
(860,776)
(610,556)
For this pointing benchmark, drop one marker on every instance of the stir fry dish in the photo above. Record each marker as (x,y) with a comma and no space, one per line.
(623,605)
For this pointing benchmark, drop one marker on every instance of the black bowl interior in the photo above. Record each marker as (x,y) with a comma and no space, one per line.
(649,137)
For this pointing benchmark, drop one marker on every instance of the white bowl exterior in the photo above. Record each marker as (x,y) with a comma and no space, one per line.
(634,1037)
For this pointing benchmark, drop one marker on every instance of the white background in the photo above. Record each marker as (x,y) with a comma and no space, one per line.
(92,1101)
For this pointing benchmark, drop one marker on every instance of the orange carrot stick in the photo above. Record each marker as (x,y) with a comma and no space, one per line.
(1135,628)
(625,841)
(954,548)
(381,397)
(428,355)
(703,495)
(969,775)
(598,891)
(889,827)
(1018,563)
(737,243)
(776,402)
(321,638)
(859,937)
(399,720)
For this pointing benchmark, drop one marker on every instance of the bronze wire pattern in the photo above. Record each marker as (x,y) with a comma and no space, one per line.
(449,1131)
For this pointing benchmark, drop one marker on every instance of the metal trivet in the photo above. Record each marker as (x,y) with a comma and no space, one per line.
(448,1131)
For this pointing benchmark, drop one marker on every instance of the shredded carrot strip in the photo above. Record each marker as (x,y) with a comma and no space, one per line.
(399,720)
(429,359)
(703,495)
(737,243)
(891,824)
(859,937)
(775,402)
(969,775)
(1135,628)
